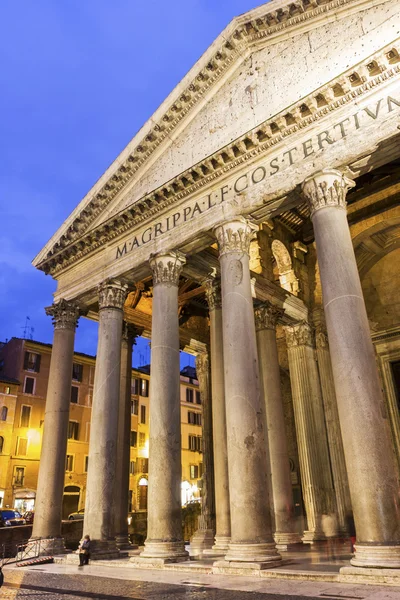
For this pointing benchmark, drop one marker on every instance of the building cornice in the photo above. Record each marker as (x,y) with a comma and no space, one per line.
(353,84)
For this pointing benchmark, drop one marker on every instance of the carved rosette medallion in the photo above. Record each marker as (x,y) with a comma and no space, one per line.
(64,314)
(326,188)
(213,293)
(167,268)
(112,294)
(235,236)
(299,334)
(266,316)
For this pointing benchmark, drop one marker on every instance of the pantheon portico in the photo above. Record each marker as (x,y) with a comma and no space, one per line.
(254,221)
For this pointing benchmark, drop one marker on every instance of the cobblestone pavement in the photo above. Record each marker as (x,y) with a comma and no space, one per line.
(58,582)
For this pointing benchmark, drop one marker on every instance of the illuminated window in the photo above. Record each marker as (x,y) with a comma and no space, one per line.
(32,362)
(73,430)
(22,446)
(19,475)
(25,416)
(194,472)
(195,443)
(142,439)
(69,463)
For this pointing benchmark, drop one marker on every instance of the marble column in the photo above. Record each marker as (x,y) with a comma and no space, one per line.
(203,538)
(221,478)
(164,541)
(312,442)
(101,477)
(369,454)
(336,452)
(285,535)
(251,543)
(121,502)
(50,488)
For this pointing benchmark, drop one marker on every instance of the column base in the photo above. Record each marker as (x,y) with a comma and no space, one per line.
(309,537)
(376,557)
(202,539)
(263,553)
(123,543)
(287,541)
(104,550)
(44,547)
(161,553)
(220,547)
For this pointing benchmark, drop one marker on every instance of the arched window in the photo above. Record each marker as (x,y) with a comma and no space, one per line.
(1,444)
(287,278)
(4,412)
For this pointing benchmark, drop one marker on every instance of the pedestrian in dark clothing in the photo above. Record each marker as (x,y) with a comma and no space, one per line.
(84,551)
(1,577)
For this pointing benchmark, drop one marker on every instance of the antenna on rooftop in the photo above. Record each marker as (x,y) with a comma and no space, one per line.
(28,330)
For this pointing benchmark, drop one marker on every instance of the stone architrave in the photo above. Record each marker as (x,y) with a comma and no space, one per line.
(101,478)
(252,544)
(285,535)
(164,541)
(369,454)
(203,538)
(336,452)
(221,477)
(48,506)
(129,333)
(312,441)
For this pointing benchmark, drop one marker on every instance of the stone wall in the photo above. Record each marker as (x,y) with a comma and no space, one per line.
(12,537)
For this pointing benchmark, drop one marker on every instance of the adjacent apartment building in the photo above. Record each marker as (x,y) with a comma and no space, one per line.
(24,372)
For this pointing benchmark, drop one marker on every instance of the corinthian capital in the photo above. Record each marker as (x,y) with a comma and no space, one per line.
(112,294)
(167,268)
(326,188)
(235,236)
(130,332)
(202,365)
(266,316)
(299,334)
(321,338)
(213,293)
(64,314)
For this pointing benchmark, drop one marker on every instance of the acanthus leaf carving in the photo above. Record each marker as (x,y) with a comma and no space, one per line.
(326,188)
(64,314)
(167,268)
(266,316)
(299,334)
(235,236)
(112,294)
(213,293)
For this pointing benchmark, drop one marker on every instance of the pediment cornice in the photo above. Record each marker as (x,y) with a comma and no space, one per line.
(351,85)
(265,22)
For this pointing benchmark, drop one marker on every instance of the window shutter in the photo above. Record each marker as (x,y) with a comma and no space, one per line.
(26,361)
(37,363)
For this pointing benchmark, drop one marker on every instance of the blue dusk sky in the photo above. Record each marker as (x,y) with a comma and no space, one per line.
(78,80)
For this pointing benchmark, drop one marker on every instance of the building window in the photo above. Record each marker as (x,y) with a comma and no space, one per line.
(86,464)
(132,469)
(134,407)
(29,387)
(194,418)
(189,395)
(77,372)
(396,379)
(32,362)
(19,475)
(25,416)
(143,483)
(1,443)
(200,470)
(143,414)
(198,397)
(22,446)
(133,439)
(130,501)
(142,439)
(69,463)
(144,388)
(74,394)
(135,386)
(4,412)
(142,465)
(7,389)
(73,430)
(194,472)
(195,443)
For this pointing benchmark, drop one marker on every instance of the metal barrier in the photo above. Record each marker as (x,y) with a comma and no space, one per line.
(16,552)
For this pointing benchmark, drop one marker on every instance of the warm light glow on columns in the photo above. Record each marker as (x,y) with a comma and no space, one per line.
(99,507)
(251,542)
(370,460)
(266,317)
(164,541)
(48,506)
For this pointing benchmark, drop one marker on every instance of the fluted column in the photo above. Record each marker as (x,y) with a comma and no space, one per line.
(339,473)
(48,506)
(101,477)
(369,454)
(266,317)
(203,538)
(221,477)
(164,541)
(121,501)
(252,542)
(311,434)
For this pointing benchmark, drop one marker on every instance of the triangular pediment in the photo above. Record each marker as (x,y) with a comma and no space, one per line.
(256,72)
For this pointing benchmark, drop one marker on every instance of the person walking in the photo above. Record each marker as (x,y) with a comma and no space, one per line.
(84,551)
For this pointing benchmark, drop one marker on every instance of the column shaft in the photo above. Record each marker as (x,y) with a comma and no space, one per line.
(252,540)
(48,507)
(370,460)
